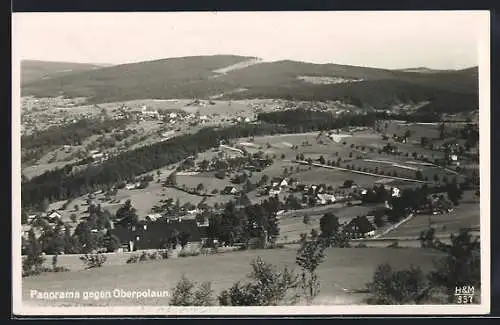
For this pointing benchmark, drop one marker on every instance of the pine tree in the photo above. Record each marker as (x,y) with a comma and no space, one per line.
(34,259)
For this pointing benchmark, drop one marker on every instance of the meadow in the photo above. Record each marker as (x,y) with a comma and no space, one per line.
(343,268)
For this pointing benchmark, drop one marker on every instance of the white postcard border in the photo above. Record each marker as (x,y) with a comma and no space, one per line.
(484,99)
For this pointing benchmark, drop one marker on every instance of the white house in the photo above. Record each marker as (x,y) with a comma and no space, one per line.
(324,198)
(370,233)
(230,190)
(153,217)
(53,216)
(195,211)
(98,155)
(172,115)
(132,186)
(283,183)
(31,217)
(395,192)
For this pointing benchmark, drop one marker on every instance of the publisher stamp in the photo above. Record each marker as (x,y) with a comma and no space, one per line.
(465,295)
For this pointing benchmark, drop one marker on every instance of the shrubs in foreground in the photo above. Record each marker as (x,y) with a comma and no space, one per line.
(266,285)
(186,293)
(460,266)
(93,260)
(390,287)
(34,266)
(161,254)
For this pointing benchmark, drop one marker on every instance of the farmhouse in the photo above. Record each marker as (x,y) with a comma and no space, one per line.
(359,228)
(31,217)
(126,237)
(395,192)
(279,182)
(454,160)
(229,190)
(193,212)
(131,186)
(99,155)
(323,198)
(153,217)
(54,216)
(158,234)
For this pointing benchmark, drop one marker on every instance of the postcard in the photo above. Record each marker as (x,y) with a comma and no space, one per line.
(251,163)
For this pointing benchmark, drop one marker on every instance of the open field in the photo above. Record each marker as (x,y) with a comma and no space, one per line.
(348,268)
(400,168)
(333,177)
(417,130)
(209,181)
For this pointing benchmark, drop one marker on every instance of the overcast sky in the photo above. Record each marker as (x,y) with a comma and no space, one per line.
(440,40)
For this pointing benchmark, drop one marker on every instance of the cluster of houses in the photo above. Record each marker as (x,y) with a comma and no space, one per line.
(320,192)
(152,232)
(50,219)
(157,233)
(435,205)
(39,113)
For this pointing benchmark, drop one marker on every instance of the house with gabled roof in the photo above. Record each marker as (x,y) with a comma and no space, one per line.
(153,217)
(53,216)
(229,190)
(157,234)
(324,198)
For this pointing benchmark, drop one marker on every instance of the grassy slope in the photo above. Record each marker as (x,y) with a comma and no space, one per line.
(347,268)
(32,70)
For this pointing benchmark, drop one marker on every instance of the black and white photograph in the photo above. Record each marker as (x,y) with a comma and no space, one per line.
(235,163)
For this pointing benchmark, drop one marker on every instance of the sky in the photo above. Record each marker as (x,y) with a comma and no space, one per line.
(391,40)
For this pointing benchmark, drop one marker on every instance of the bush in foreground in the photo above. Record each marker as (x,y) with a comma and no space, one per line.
(459,267)
(185,293)
(390,287)
(93,260)
(268,286)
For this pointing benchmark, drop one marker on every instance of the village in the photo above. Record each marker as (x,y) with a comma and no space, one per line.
(291,169)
